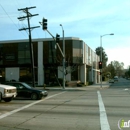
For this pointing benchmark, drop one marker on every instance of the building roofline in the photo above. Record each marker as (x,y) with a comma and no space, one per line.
(38,39)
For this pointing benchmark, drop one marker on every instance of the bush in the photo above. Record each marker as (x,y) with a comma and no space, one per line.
(80,84)
(25,78)
(2,79)
(89,83)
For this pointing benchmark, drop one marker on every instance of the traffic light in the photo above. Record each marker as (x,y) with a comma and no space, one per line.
(100,73)
(57,38)
(44,24)
(100,65)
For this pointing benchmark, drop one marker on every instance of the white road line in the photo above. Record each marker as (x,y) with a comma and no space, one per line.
(126,89)
(103,116)
(31,104)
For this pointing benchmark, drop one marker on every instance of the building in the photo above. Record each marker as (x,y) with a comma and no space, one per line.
(81,61)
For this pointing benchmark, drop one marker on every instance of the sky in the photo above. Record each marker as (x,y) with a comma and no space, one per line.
(85,19)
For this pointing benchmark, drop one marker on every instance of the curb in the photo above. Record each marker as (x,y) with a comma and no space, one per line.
(95,86)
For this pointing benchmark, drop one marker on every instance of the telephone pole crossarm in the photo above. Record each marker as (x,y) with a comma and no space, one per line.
(26,8)
(28,28)
(30,15)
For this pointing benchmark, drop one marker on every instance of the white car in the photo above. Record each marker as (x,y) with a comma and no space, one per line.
(111,80)
(7,93)
(116,78)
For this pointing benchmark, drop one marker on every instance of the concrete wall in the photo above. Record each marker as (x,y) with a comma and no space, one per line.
(12,73)
(60,72)
(40,64)
(83,73)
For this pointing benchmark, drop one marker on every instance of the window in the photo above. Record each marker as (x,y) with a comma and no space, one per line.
(77,51)
(23,53)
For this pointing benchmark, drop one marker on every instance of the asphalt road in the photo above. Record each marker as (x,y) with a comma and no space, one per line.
(88,109)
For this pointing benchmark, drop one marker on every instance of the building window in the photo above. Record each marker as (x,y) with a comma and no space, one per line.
(77,52)
(52,52)
(24,53)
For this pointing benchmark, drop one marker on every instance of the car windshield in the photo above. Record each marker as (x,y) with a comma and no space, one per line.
(26,85)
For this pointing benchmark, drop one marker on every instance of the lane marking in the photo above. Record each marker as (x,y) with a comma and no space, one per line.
(126,89)
(103,116)
(29,105)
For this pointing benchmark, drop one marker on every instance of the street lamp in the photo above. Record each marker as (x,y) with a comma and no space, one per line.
(63,57)
(101,54)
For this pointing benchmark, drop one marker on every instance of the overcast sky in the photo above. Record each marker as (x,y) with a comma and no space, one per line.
(86,19)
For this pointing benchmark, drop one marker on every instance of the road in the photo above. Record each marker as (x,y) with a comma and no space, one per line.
(88,109)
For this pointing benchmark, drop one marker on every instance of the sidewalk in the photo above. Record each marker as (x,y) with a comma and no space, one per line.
(94,86)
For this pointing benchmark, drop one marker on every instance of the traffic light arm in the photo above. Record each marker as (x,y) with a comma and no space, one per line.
(56,43)
(51,35)
(60,50)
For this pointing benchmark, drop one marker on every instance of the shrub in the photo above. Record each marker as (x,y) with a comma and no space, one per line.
(89,83)
(25,78)
(80,84)
(2,79)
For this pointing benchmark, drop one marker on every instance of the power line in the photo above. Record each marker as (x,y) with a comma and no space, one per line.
(10,17)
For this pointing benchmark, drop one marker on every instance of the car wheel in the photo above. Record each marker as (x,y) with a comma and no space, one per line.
(34,96)
(7,99)
(0,96)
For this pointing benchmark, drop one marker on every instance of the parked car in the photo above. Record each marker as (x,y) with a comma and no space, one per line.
(7,93)
(26,91)
(111,80)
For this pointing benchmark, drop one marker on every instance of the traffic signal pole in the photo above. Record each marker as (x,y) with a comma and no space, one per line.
(101,54)
(44,24)
(101,60)
(56,43)
(64,66)
(55,39)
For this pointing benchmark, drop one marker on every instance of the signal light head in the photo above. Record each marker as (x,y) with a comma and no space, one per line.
(44,24)
(57,38)
(100,65)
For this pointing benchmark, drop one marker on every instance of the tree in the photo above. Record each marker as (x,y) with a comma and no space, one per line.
(115,68)
(104,56)
(72,66)
(127,73)
(108,74)
(110,69)
(118,67)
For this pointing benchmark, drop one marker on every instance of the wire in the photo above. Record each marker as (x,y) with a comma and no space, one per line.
(10,17)
(23,24)
(7,14)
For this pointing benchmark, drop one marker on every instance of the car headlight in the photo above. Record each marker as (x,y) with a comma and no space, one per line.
(44,92)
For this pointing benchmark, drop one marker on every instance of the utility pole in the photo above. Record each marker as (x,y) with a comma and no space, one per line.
(28,16)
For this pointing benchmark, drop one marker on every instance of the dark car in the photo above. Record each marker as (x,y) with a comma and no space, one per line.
(116,78)
(26,91)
